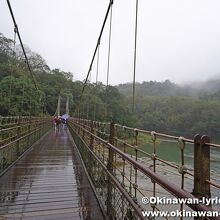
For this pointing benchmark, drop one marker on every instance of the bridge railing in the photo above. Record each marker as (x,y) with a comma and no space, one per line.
(140,172)
(17,134)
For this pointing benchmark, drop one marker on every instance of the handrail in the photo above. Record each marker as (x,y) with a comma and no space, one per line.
(149,132)
(167,185)
(17,134)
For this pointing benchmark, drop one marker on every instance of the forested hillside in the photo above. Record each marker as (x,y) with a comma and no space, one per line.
(167,88)
(19,96)
(160,106)
(180,110)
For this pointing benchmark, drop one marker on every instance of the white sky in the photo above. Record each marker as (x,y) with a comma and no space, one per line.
(177,39)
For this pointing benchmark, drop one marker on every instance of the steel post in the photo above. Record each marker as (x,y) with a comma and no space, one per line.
(110,169)
(201,167)
(18,135)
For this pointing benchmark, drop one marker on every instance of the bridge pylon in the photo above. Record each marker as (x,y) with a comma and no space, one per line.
(62,105)
(58,105)
(67,105)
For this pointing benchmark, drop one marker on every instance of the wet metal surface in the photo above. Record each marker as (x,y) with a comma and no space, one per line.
(49,182)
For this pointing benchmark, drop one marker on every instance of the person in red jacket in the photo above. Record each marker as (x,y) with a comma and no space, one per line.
(56,122)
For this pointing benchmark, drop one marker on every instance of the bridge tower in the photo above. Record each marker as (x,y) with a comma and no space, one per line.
(67,105)
(62,105)
(58,106)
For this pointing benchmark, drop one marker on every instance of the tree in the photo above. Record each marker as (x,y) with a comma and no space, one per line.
(19,97)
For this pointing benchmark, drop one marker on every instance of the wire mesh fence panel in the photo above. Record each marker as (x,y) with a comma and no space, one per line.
(128,165)
(17,135)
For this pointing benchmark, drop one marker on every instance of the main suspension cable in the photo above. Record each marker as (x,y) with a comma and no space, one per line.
(97,66)
(22,46)
(96,48)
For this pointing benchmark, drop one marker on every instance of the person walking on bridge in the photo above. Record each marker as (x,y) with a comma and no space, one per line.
(56,122)
(63,120)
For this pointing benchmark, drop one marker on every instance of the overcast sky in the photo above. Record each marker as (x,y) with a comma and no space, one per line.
(178,40)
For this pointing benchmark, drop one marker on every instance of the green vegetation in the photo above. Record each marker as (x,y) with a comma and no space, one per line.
(19,96)
(178,110)
(161,106)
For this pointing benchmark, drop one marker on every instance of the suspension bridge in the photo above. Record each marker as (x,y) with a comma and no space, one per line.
(97,170)
(101,170)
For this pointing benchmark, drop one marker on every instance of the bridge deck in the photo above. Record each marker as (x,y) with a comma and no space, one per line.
(49,182)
